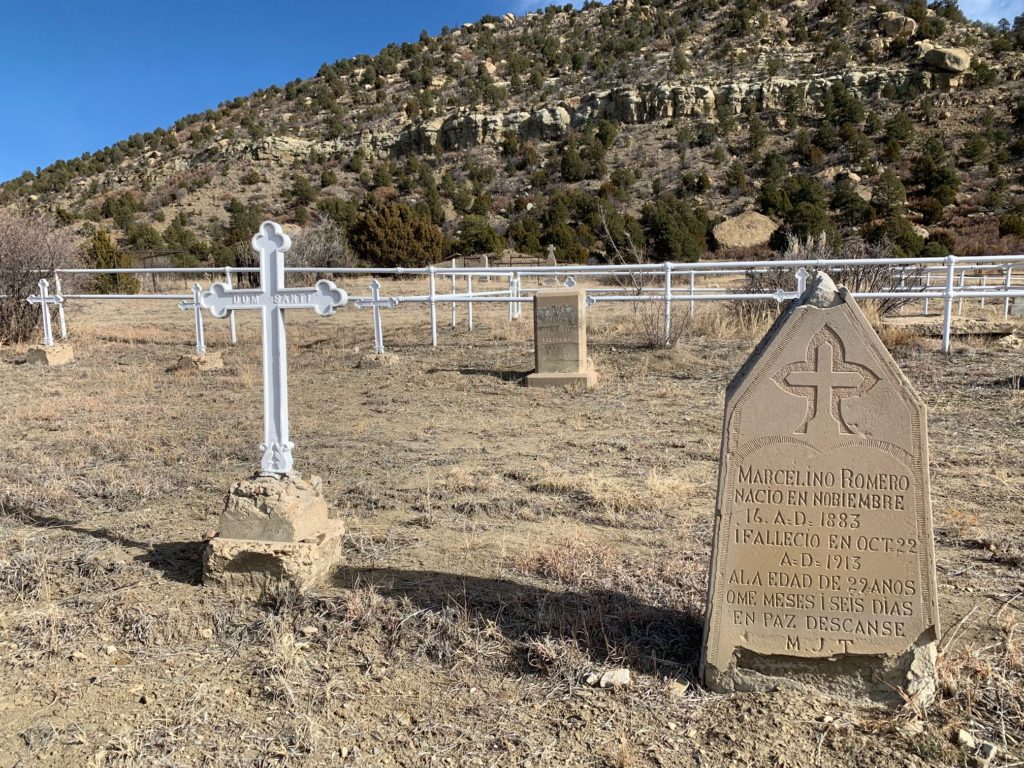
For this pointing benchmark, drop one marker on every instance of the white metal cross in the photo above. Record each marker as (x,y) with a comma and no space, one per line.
(197,308)
(45,300)
(271,299)
(377,303)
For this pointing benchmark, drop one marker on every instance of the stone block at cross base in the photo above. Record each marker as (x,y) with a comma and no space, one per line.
(273,532)
(58,354)
(255,568)
(289,509)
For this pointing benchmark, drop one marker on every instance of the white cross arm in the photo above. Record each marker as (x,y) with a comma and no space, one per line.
(324,297)
(388,303)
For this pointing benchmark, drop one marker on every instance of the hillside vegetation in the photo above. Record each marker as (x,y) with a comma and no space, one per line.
(626,130)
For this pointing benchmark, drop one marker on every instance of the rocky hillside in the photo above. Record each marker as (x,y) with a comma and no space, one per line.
(631,129)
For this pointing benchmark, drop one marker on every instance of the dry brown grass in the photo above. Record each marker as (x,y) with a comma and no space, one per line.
(504,545)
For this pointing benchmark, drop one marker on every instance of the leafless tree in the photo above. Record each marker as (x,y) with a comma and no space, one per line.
(31,247)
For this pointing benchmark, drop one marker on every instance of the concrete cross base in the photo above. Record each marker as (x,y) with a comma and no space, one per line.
(586,379)
(58,354)
(251,568)
(211,361)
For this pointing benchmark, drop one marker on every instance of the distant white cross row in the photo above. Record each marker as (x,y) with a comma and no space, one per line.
(271,299)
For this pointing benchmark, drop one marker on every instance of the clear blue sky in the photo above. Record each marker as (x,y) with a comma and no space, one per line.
(79,75)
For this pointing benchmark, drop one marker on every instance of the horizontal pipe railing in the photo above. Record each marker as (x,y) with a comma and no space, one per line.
(961,278)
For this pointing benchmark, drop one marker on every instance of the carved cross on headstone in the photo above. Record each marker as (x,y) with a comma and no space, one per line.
(271,299)
(197,308)
(826,379)
(377,303)
(45,301)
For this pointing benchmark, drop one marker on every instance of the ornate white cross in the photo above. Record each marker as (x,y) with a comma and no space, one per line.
(271,299)
(45,300)
(196,306)
(377,303)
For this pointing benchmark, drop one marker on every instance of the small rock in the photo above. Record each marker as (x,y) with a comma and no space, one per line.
(986,754)
(966,740)
(677,689)
(309,631)
(110,650)
(78,656)
(912,729)
(592,679)
(206,633)
(616,678)
(209,534)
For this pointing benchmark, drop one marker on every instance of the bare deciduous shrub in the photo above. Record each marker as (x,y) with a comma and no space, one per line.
(860,278)
(648,316)
(30,249)
(324,244)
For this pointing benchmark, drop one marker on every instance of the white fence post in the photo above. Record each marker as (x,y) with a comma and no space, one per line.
(693,291)
(469,293)
(1007,285)
(232,328)
(60,306)
(433,308)
(963,282)
(668,303)
(927,287)
(454,287)
(947,316)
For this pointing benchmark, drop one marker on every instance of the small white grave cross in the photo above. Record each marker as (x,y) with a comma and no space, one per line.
(196,306)
(377,303)
(271,299)
(45,300)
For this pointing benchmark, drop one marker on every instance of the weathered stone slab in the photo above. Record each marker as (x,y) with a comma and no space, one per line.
(57,354)
(255,568)
(289,508)
(273,531)
(823,567)
(1017,306)
(560,340)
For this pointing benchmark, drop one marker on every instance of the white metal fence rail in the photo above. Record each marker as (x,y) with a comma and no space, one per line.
(949,280)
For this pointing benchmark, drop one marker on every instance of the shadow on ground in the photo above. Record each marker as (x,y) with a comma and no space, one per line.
(180,561)
(611,627)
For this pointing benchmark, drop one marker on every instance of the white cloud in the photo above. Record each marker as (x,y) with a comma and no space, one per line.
(992,10)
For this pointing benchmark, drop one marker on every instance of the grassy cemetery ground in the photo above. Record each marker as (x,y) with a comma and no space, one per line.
(506,548)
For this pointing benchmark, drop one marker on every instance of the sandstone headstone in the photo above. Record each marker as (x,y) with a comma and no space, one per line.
(823,569)
(560,340)
(53,355)
(273,530)
(476,261)
(748,230)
